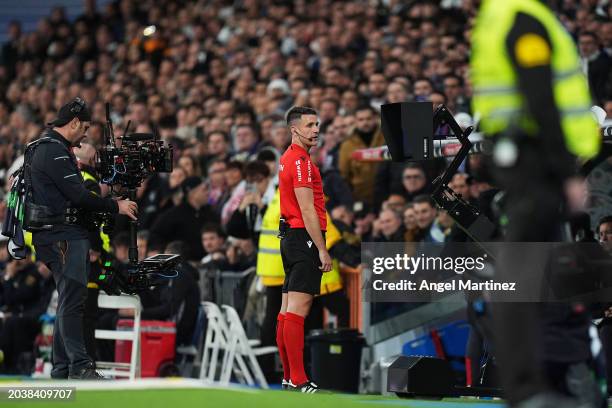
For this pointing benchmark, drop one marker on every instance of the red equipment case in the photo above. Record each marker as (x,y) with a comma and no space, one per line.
(157,345)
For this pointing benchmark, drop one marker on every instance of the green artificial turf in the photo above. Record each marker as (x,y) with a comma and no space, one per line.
(247,398)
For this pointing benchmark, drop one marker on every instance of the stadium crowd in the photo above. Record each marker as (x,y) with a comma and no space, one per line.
(215,78)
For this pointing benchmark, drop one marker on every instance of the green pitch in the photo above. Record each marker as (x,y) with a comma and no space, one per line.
(247,398)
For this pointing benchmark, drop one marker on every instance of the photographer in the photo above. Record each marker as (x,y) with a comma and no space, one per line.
(57,185)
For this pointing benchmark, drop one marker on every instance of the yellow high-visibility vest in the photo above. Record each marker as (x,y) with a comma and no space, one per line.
(496,96)
(105,238)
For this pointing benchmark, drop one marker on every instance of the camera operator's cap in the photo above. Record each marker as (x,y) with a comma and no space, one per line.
(77,108)
(190,183)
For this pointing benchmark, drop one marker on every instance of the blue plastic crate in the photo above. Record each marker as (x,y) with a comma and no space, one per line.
(421,346)
(454,337)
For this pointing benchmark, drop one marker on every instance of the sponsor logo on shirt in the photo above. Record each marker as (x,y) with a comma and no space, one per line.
(298,169)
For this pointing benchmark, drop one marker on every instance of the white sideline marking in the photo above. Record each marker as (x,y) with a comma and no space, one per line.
(138,384)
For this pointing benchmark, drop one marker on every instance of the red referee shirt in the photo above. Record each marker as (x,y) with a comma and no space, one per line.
(297,170)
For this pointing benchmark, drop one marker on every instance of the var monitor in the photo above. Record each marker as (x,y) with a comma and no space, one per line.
(408,130)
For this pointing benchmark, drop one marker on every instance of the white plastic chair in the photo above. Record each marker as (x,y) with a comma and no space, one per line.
(239,347)
(216,341)
(191,354)
(131,369)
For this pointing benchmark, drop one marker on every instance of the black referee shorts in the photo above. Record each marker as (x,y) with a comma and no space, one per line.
(301,262)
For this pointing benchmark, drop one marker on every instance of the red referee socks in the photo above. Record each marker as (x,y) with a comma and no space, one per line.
(293,333)
(280,343)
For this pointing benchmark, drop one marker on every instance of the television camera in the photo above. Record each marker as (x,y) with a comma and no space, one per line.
(125,166)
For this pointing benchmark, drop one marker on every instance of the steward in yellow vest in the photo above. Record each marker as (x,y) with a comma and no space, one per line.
(533,100)
(92,184)
(515,43)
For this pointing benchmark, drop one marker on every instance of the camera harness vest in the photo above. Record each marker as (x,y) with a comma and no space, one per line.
(21,194)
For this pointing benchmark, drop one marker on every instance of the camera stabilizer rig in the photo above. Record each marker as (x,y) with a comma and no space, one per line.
(126,166)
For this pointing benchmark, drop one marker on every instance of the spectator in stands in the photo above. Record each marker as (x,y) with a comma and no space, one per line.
(453,90)
(414,181)
(336,189)
(397,92)
(388,227)
(329,111)
(279,137)
(245,222)
(185,221)
(217,147)
(236,186)
(377,87)
(364,220)
(190,165)
(395,202)
(245,142)
(360,175)
(121,245)
(10,49)
(342,217)
(142,241)
(437,98)
(596,65)
(217,186)
(410,223)
(213,242)
(241,254)
(422,89)
(477,185)
(460,186)
(24,296)
(154,195)
(425,213)
(604,230)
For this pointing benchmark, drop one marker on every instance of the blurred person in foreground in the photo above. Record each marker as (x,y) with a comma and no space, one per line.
(534,101)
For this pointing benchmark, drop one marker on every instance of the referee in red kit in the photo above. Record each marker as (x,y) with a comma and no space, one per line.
(302,229)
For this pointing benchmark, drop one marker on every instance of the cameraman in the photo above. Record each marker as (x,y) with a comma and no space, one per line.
(57,185)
